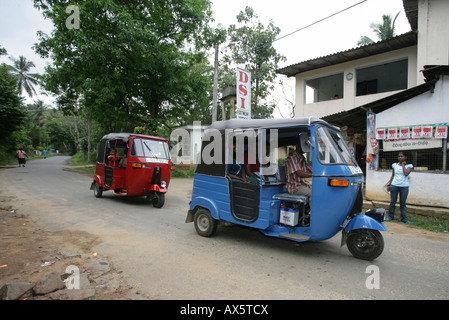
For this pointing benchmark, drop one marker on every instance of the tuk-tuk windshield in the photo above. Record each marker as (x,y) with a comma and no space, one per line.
(331,148)
(149,149)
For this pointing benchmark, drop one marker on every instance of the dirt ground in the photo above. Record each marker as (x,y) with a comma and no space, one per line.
(29,253)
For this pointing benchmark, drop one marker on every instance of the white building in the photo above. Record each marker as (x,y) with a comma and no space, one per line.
(387,79)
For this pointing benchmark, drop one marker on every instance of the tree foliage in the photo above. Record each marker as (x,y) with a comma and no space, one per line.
(130,61)
(251,47)
(12,113)
(383,31)
(25,80)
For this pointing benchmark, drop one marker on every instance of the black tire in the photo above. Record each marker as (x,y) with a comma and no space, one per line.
(205,225)
(365,244)
(158,200)
(98,191)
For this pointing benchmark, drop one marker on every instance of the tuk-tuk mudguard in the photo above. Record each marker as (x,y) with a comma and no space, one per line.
(207,204)
(157,188)
(362,221)
(98,180)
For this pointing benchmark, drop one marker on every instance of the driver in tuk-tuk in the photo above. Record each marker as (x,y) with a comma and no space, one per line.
(297,170)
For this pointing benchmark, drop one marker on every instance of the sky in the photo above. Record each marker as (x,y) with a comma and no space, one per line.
(19,22)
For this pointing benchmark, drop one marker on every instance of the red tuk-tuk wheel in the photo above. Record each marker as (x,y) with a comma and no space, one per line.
(157,199)
(98,191)
(205,225)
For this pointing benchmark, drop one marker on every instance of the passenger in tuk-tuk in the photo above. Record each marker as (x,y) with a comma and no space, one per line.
(236,170)
(112,158)
(297,170)
(124,159)
(253,173)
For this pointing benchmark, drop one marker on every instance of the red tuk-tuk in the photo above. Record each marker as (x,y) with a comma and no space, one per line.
(133,165)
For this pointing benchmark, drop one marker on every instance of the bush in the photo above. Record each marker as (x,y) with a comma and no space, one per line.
(80,159)
(181,173)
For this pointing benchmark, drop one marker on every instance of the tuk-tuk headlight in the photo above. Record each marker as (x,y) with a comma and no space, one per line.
(163,184)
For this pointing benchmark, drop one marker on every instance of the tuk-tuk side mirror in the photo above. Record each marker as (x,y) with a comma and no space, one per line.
(304,142)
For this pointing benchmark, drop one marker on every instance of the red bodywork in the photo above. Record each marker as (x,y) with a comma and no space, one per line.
(142,173)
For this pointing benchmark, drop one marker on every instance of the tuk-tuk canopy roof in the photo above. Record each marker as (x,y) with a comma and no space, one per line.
(264,123)
(125,136)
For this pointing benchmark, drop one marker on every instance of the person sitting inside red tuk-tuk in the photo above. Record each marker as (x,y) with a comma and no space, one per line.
(112,158)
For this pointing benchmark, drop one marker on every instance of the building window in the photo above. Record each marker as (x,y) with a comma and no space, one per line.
(422,160)
(382,78)
(324,89)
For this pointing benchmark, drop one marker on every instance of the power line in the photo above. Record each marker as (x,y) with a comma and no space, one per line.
(318,21)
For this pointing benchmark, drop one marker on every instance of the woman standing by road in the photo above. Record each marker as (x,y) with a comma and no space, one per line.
(20,154)
(399,185)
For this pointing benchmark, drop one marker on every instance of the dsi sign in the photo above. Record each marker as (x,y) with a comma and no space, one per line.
(243,110)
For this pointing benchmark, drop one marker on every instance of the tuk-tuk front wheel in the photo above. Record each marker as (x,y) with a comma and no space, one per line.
(205,225)
(98,191)
(157,199)
(365,244)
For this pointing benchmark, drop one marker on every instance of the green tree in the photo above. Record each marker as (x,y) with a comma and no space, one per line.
(25,80)
(130,61)
(12,113)
(37,112)
(384,30)
(251,46)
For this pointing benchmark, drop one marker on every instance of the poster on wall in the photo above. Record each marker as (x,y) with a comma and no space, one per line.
(416,132)
(392,133)
(380,134)
(372,147)
(441,132)
(427,132)
(404,133)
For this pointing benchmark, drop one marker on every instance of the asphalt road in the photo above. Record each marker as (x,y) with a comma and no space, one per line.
(165,258)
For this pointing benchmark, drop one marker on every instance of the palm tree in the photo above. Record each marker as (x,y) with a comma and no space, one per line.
(384,31)
(37,112)
(25,80)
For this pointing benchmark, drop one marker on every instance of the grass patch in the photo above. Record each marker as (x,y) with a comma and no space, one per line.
(80,159)
(182,173)
(431,223)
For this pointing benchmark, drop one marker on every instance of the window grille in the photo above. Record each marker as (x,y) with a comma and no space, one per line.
(422,160)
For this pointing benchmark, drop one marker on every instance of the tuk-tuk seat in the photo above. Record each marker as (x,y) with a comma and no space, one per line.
(291,198)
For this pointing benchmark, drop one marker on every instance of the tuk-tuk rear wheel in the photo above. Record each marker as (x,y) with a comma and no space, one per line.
(205,225)
(98,191)
(365,244)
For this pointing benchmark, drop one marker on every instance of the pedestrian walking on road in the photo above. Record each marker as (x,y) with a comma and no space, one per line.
(399,185)
(20,154)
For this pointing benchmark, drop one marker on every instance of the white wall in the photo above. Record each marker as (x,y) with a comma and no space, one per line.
(426,188)
(427,108)
(433,34)
(429,189)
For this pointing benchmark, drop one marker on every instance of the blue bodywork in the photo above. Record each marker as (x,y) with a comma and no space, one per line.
(329,205)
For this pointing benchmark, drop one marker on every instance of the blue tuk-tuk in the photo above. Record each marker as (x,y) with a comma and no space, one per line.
(336,197)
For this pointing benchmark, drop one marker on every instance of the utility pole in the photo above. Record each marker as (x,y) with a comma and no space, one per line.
(215,97)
